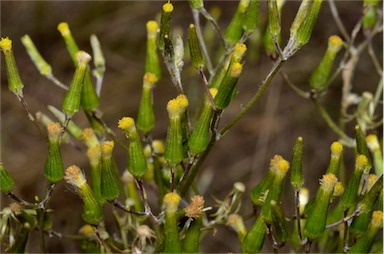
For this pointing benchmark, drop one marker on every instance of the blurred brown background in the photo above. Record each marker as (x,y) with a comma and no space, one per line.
(271,127)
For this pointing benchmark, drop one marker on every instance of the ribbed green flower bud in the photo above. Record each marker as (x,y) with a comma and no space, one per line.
(316,222)
(72,100)
(195,48)
(319,78)
(349,199)
(194,210)
(274,25)
(371,197)
(44,68)
(251,17)
(278,221)
(165,24)
(137,163)
(54,168)
(172,241)
(199,138)
(146,115)
(45,120)
(6,181)
(370,13)
(278,167)
(66,33)
(15,84)
(174,146)
(306,26)
(254,239)
(364,244)
(374,147)
(234,30)
(94,156)
(92,212)
(360,224)
(89,138)
(300,16)
(196,4)
(109,185)
(89,97)
(152,64)
(228,85)
(75,130)
(361,146)
(334,163)
(297,177)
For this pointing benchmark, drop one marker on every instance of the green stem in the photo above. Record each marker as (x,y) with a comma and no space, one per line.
(276,67)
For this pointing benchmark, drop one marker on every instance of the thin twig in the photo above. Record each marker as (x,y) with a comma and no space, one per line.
(371,52)
(209,17)
(206,88)
(272,240)
(19,200)
(295,88)
(117,204)
(196,20)
(276,67)
(56,81)
(345,219)
(101,240)
(297,213)
(338,21)
(346,233)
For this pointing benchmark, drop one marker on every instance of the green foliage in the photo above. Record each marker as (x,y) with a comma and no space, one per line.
(334,220)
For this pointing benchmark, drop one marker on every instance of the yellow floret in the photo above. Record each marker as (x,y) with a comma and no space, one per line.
(372,142)
(213,92)
(63,28)
(6,44)
(377,219)
(149,79)
(158,146)
(168,7)
(335,43)
(183,101)
(239,51)
(372,178)
(74,176)
(339,189)
(94,153)
(336,148)
(279,165)
(236,69)
(361,162)
(177,106)
(54,129)
(107,147)
(328,182)
(171,201)
(152,27)
(87,230)
(127,124)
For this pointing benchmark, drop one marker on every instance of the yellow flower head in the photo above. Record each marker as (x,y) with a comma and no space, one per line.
(6,44)
(336,149)
(54,131)
(168,7)
(127,124)
(177,106)
(334,43)
(279,165)
(328,182)
(372,142)
(87,230)
(107,148)
(236,69)
(213,92)
(152,28)
(149,80)
(63,28)
(74,176)
(377,219)
(94,154)
(158,146)
(171,201)
(339,189)
(361,162)
(239,51)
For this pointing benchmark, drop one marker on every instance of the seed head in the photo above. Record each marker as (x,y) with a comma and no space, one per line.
(195,208)
(74,176)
